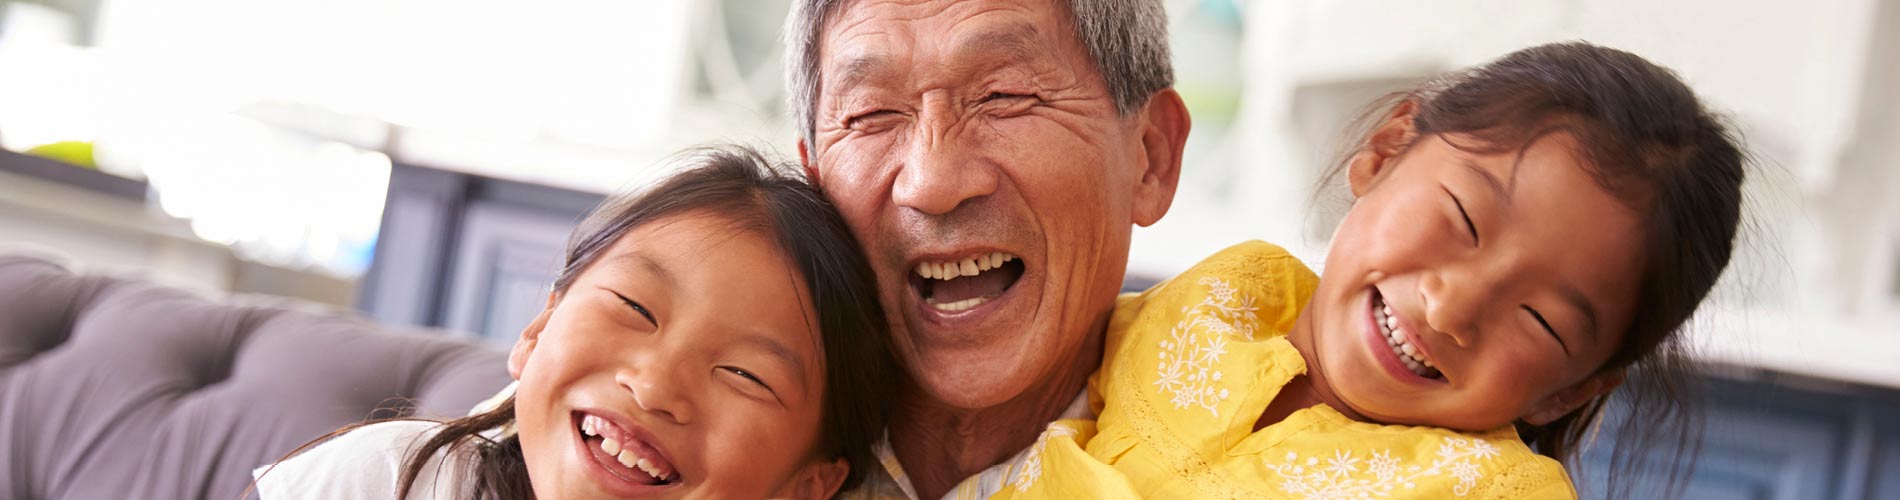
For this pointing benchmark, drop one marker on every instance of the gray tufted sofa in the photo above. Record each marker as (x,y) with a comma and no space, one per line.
(115,389)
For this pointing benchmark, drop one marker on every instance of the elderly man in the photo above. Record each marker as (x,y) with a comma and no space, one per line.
(993,157)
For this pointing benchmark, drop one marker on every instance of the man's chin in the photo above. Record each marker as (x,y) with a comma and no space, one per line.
(971,381)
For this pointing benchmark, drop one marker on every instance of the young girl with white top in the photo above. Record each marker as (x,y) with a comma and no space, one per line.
(716,335)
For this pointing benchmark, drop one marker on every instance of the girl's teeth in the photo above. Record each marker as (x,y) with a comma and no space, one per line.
(627,458)
(1408,353)
(648,468)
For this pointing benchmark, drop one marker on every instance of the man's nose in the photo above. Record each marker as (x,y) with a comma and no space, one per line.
(938,173)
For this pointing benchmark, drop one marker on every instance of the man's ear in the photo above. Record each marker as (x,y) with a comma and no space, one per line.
(1164,131)
(804,159)
(1571,398)
(518,357)
(1382,147)
(818,480)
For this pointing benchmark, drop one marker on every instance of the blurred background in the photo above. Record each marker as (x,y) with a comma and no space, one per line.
(423,160)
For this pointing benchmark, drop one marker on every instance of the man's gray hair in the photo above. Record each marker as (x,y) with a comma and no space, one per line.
(1128,40)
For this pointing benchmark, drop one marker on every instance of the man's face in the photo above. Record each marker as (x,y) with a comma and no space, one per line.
(975,141)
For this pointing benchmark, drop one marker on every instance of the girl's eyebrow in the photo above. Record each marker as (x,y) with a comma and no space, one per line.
(777,350)
(1490,180)
(1582,303)
(647,263)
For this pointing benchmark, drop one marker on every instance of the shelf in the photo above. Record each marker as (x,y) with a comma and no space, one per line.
(52,170)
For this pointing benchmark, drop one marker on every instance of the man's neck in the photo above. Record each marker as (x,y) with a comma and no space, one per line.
(940,445)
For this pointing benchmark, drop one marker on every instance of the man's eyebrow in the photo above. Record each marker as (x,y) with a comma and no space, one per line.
(1012,43)
(861,69)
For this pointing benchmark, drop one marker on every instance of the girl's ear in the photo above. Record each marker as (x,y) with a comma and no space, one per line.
(818,480)
(1382,147)
(1571,398)
(518,357)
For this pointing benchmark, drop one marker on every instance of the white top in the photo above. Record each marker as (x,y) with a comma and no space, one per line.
(364,464)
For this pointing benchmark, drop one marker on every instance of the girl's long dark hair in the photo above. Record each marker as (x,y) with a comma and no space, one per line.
(740,184)
(1647,138)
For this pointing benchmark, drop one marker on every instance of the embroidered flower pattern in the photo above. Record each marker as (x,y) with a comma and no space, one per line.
(1190,356)
(1032,467)
(1341,476)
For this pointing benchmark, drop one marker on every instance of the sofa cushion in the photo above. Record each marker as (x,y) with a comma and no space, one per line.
(117,388)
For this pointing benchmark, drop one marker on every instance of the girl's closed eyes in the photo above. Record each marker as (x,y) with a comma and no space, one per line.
(1521,235)
(695,345)
(687,384)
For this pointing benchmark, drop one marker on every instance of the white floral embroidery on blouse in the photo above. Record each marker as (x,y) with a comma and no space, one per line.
(1341,476)
(1031,470)
(1190,356)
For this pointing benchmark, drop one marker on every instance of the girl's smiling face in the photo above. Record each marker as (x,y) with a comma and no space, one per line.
(1468,290)
(683,363)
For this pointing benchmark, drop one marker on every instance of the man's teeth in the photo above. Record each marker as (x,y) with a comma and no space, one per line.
(1408,353)
(627,458)
(961,305)
(966,267)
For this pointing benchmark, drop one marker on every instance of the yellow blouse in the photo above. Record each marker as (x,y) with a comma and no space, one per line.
(1191,365)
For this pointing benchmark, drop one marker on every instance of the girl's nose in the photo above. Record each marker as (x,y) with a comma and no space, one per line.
(1449,305)
(656,389)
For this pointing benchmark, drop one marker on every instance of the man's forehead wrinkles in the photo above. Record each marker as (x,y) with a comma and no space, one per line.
(1013,41)
(997,61)
(871,38)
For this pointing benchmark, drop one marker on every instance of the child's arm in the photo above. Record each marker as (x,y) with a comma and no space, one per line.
(363,463)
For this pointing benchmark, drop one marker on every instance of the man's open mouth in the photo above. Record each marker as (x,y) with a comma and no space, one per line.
(960,285)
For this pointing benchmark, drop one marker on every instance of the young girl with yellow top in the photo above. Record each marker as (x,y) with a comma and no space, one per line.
(1523,235)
